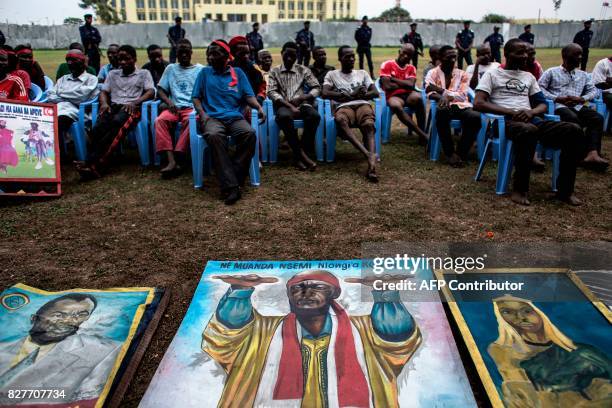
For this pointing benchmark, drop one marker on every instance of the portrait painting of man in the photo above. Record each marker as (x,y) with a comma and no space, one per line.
(272,335)
(58,351)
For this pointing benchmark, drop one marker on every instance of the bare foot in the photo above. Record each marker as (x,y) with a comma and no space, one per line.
(312,166)
(169,168)
(571,200)
(520,198)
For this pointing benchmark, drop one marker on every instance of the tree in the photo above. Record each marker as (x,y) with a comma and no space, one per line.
(495,18)
(557,4)
(395,14)
(104,11)
(73,20)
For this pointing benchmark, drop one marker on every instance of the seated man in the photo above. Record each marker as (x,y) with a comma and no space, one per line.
(219,95)
(286,89)
(156,64)
(319,67)
(71,90)
(570,88)
(122,94)
(240,51)
(484,63)
(434,60)
(398,79)
(174,89)
(64,69)
(602,78)
(11,87)
(265,63)
(14,70)
(351,92)
(448,86)
(25,61)
(111,54)
(515,94)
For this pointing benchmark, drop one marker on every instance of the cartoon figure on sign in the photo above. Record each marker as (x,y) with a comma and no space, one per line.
(36,138)
(8,154)
(542,367)
(54,355)
(315,356)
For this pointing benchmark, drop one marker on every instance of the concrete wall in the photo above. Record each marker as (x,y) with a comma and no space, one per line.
(275,34)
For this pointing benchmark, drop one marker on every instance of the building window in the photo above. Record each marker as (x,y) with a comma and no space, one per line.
(238,1)
(281,15)
(140,15)
(163,4)
(310,16)
(309,6)
(208,16)
(261,2)
(139,3)
(264,18)
(114,3)
(348,6)
(301,5)
(291,16)
(271,2)
(249,1)
(253,18)
(219,17)
(217,1)
(163,16)
(174,4)
(228,2)
(236,17)
(206,1)
(185,4)
(319,6)
(291,5)
(281,5)
(152,4)
(152,15)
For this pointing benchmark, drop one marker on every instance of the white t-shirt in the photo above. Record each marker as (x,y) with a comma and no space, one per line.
(509,88)
(348,83)
(602,71)
(481,69)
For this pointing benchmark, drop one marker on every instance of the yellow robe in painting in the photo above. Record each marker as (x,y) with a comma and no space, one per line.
(242,354)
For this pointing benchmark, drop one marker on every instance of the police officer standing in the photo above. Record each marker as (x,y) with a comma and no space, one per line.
(363,36)
(415,39)
(305,41)
(496,41)
(527,36)
(464,42)
(175,34)
(583,39)
(255,41)
(90,38)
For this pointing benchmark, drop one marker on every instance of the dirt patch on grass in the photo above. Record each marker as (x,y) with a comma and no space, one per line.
(133,229)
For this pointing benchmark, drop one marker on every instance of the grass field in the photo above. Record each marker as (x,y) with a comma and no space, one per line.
(134,229)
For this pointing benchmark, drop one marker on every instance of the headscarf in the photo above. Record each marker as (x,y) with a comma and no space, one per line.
(223,44)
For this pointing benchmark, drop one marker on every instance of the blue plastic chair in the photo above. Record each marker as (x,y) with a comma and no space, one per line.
(36,94)
(201,158)
(138,133)
(387,114)
(273,132)
(331,131)
(434,145)
(505,152)
(48,84)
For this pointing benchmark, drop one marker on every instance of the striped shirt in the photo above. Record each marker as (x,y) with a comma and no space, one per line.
(558,81)
(12,87)
(458,88)
(288,84)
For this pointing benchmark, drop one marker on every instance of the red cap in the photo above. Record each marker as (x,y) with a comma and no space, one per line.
(322,276)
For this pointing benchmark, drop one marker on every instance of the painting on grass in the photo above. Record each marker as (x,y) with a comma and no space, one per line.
(66,349)
(548,344)
(29,151)
(300,334)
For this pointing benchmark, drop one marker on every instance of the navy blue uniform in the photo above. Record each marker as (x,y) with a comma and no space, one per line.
(495,40)
(305,41)
(527,37)
(90,38)
(583,39)
(465,38)
(175,34)
(416,40)
(256,44)
(363,36)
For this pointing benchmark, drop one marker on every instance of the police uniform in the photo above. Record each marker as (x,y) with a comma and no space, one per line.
(465,38)
(305,41)
(363,35)
(495,40)
(416,40)
(256,44)
(527,37)
(583,39)
(90,38)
